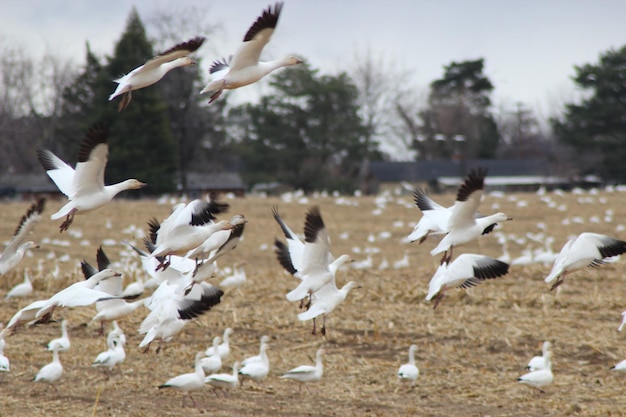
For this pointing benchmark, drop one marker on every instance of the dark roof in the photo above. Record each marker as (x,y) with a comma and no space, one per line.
(215,181)
(33,183)
(432,170)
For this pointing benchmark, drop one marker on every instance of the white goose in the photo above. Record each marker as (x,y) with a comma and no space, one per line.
(465,271)
(51,372)
(258,358)
(14,252)
(434,219)
(186,228)
(314,268)
(188,382)
(224,348)
(219,240)
(22,289)
(623,323)
(464,225)
(213,363)
(153,70)
(587,249)
(61,344)
(408,371)
(114,355)
(244,67)
(5,365)
(224,381)
(541,378)
(539,362)
(256,369)
(308,373)
(324,301)
(84,186)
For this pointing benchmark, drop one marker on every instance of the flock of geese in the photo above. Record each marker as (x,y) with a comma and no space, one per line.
(182,249)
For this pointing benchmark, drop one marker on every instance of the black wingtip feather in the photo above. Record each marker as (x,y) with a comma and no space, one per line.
(45,159)
(474,181)
(313,224)
(421,199)
(102,259)
(614,248)
(96,135)
(88,269)
(493,268)
(267,20)
(211,296)
(36,208)
(191,45)
(283,256)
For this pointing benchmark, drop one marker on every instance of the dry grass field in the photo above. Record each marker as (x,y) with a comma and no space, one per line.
(471,349)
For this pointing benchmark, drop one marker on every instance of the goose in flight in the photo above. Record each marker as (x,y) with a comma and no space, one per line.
(84,186)
(463,225)
(244,67)
(14,252)
(155,69)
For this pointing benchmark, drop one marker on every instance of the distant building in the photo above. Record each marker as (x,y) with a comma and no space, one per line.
(204,183)
(28,186)
(445,175)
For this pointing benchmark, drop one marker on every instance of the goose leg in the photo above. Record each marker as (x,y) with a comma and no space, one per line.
(125,101)
(314,331)
(324,326)
(68,221)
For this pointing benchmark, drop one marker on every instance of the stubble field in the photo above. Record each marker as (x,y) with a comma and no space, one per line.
(471,349)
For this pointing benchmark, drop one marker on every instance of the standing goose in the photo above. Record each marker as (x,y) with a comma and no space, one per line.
(5,365)
(224,381)
(188,382)
(408,371)
(84,186)
(153,70)
(51,372)
(62,344)
(587,249)
(256,369)
(244,67)
(539,362)
(22,289)
(464,225)
(223,348)
(308,373)
(541,378)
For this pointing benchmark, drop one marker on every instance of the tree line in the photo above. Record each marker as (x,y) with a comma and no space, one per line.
(311,130)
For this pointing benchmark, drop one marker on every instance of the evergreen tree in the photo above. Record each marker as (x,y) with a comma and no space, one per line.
(141,145)
(306,133)
(596,128)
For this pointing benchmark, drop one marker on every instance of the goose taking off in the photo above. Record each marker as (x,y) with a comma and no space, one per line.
(465,271)
(463,225)
(587,249)
(84,186)
(14,252)
(153,70)
(244,67)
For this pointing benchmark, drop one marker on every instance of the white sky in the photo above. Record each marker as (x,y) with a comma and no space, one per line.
(530,46)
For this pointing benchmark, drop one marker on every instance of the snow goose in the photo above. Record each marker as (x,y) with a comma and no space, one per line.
(22,289)
(186,383)
(587,249)
(258,358)
(5,365)
(117,332)
(236,279)
(256,369)
(324,301)
(224,348)
(463,225)
(14,252)
(408,371)
(186,228)
(84,186)
(307,373)
(153,70)
(539,362)
(434,217)
(224,381)
(51,372)
(465,271)
(244,67)
(220,241)
(62,344)
(212,363)
(174,309)
(541,378)
(621,366)
(112,356)
(316,258)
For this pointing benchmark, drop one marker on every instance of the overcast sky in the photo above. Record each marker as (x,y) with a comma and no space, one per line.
(530,47)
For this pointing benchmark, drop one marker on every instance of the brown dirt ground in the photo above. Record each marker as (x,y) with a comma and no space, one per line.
(471,349)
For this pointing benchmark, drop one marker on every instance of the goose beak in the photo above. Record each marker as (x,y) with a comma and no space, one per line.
(142,184)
